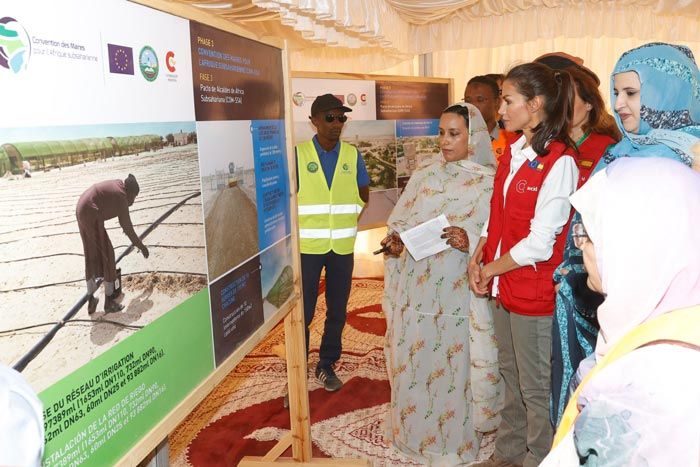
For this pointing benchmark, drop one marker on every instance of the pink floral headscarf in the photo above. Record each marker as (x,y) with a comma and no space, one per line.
(643,216)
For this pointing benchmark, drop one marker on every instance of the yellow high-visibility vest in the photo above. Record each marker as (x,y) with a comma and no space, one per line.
(328,215)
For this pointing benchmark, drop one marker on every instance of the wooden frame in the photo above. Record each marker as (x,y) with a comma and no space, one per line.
(371,77)
(299,437)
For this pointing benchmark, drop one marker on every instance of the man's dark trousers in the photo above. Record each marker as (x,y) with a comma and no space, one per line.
(338,281)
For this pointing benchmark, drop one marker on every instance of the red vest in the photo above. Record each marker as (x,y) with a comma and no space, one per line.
(589,153)
(526,290)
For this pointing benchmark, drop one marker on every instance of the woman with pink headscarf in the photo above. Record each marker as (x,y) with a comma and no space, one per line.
(640,404)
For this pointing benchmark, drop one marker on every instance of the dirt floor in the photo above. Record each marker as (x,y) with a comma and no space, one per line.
(42,267)
(232,230)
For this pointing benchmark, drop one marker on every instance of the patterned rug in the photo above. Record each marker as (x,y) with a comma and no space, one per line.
(244,414)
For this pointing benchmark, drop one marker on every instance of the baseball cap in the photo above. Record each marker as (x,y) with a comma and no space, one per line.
(327,102)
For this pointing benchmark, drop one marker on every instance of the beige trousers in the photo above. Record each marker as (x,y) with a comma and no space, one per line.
(524,359)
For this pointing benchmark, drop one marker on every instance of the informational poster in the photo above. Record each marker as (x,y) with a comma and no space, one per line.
(101,97)
(228,194)
(357,94)
(393,125)
(400,100)
(269,150)
(416,144)
(236,307)
(234,78)
(239,107)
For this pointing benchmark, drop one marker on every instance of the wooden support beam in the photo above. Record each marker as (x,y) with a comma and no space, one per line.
(278,449)
(300,421)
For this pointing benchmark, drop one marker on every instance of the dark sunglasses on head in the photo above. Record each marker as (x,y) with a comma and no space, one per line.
(341,118)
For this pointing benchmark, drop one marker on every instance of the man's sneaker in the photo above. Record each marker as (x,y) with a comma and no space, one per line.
(328,378)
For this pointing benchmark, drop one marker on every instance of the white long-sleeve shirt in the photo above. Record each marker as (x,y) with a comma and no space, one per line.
(551,210)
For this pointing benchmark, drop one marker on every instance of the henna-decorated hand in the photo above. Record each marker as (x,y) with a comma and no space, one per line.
(394,245)
(456,238)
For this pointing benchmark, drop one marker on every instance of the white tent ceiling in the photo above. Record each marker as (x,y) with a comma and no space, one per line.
(465,37)
(409,27)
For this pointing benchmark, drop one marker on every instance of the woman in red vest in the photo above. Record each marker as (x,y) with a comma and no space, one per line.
(521,245)
(574,329)
(592,127)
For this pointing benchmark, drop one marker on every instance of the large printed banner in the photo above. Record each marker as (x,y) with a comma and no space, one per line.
(393,123)
(239,106)
(94,92)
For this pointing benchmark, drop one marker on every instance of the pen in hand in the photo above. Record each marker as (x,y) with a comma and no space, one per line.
(383,249)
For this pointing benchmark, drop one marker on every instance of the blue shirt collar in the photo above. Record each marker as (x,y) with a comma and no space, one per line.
(320,150)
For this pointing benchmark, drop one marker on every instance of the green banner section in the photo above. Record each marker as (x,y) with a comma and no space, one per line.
(97,413)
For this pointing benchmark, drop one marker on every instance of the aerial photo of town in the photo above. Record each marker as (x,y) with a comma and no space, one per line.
(376,141)
(412,151)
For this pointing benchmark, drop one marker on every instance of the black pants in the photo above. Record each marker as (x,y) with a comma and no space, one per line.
(338,280)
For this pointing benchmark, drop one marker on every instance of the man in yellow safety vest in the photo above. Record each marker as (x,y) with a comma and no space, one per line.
(333,187)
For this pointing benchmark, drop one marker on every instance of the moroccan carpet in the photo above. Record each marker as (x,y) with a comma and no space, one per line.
(244,415)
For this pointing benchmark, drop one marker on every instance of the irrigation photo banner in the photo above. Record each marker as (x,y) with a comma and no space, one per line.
(144,212)
(393,124)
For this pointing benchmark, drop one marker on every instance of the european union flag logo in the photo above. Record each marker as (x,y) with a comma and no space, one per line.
(121,59)
(535,165)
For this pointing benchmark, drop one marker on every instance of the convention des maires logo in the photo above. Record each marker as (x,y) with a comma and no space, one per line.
(15,46)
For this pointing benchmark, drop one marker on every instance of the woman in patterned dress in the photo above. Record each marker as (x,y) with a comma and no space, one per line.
(440,347)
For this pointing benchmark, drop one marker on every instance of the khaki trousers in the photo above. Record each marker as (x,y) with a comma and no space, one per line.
(524,359)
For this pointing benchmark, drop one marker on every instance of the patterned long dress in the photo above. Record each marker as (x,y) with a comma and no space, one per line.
(440,344)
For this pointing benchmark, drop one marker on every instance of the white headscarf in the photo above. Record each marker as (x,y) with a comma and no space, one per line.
(21,421)
(480,149)
(439,186)
(642,215)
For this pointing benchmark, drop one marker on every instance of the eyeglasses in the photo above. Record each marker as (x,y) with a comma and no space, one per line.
(579,234)
(341,118)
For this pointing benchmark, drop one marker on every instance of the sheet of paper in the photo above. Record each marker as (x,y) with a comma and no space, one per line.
(424,239)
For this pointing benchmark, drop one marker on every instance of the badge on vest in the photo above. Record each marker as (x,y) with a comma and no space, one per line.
(535,165)
(346,168)
(521,187)
(312,167)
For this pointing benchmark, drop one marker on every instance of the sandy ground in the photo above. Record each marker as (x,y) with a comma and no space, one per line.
(42,267)
(232,230)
